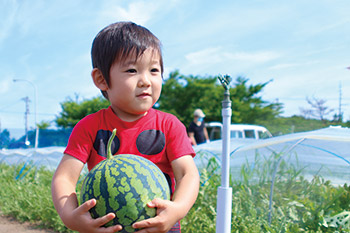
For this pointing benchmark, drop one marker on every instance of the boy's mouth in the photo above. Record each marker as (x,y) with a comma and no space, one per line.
(143,95)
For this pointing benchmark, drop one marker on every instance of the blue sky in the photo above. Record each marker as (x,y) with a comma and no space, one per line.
(302,46)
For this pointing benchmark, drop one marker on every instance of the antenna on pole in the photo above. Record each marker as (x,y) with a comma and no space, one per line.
(224,197)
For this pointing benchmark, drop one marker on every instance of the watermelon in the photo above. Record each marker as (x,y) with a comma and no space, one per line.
(123,184)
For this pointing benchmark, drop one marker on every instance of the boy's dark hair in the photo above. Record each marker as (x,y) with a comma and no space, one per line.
(117,41)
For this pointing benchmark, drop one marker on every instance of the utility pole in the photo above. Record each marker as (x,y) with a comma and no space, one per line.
(36,141)
(340,113)
(26,113)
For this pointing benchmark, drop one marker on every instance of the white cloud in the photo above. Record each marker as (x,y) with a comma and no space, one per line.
(217,55)
(257,57)
(283,66)
(209,55)
(8,11)
(5,85)
(140,12)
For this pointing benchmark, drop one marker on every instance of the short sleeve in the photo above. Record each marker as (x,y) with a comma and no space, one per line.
(178,143)
(80,141)
(191,127)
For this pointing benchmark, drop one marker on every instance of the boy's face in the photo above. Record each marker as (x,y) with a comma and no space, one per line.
(135,85)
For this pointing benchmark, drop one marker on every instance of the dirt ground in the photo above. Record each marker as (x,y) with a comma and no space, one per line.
(9,225)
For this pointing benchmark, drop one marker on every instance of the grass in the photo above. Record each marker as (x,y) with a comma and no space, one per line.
(299,205)
(26,195)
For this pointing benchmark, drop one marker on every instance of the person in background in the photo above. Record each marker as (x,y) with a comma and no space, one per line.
(197,131)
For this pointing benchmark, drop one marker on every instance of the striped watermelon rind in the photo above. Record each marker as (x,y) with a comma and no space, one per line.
(123,185)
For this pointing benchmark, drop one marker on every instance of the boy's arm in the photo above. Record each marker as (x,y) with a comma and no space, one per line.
(187,183)
(65,200)
(186,191)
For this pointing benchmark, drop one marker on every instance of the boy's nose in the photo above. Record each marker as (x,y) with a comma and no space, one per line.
(144,80)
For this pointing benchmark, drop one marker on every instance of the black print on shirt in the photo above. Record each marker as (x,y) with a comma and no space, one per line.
(150,142)
(101,141)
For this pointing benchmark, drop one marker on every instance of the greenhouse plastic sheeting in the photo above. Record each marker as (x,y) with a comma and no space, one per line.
(324,152)
(47,156)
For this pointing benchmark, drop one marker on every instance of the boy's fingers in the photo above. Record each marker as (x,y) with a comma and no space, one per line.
(151,229)
(111,229)
(146,223)
(159,203)
(104,219)
(100,222)
(86,206)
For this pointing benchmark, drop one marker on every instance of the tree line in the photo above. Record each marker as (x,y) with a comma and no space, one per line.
(181,95)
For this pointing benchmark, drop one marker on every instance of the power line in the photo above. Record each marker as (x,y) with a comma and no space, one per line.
(42,114)
(10,104)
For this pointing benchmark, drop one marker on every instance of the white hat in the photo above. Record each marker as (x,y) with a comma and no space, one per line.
(198,113)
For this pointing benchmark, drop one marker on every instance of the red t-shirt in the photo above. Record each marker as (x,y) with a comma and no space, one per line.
(157,136)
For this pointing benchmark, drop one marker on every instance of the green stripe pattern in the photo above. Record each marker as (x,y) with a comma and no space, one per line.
(124,185)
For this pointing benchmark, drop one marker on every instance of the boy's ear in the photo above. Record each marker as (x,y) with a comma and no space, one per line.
(99,80)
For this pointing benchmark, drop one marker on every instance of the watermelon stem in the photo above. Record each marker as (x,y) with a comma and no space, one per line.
(109,145)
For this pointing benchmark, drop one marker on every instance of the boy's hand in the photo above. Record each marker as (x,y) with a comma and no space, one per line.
(83,222)
(166,217)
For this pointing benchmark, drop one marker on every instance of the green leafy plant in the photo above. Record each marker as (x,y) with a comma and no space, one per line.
(26,196)
(298,204)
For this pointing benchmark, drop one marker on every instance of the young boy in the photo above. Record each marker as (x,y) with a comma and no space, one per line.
(127,68)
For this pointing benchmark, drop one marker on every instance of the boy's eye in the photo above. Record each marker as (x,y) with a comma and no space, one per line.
(131,71)
(155,70)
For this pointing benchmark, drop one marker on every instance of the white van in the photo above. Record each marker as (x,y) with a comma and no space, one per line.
(238,131)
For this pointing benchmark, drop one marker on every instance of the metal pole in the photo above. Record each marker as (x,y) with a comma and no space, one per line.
(26,100)
(224,198)
(35,108)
